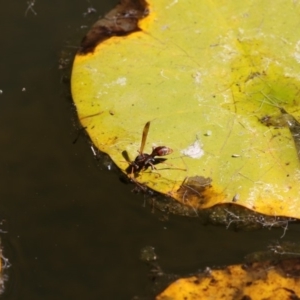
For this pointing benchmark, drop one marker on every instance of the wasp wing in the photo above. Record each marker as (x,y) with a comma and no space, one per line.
(126,156)
(144,137)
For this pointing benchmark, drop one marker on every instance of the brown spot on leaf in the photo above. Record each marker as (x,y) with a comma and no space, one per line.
(290,267)
(120,21)
(194,189)
(293,295)
(246,297)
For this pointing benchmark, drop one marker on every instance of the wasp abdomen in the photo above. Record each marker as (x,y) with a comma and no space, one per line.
(161,151)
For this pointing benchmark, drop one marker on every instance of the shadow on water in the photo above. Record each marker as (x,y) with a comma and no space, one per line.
(74,230)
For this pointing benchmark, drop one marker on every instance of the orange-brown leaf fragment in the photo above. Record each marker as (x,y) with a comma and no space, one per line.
(260,280)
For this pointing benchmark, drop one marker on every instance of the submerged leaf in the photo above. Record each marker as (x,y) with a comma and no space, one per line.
(259,280)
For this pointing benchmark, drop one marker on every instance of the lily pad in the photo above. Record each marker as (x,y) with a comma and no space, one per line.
(258,280)
(218,82)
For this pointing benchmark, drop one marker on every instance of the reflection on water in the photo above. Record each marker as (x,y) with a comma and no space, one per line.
(74,230)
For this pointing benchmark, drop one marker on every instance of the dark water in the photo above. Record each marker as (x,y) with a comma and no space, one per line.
(74,230)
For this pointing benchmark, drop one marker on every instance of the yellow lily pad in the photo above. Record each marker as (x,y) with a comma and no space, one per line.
(259,280)
(219,82)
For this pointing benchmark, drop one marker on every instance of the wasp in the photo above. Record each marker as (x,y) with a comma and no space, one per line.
(143,161)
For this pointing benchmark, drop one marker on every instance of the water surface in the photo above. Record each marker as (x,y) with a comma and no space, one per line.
(74,230)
